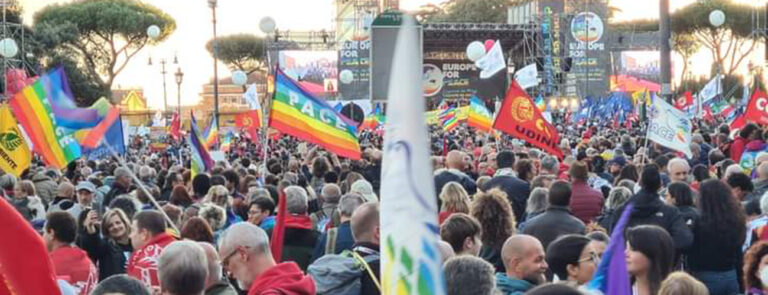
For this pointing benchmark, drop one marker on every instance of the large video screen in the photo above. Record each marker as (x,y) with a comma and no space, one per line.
(640,64)
(316,71)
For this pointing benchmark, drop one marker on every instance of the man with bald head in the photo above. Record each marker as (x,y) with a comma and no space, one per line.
(247,258)
(214,285)
(523,258)
(365,231)
(454,166)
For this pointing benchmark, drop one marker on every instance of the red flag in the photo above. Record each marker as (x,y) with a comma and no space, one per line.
(756,108)
(250,121)
(684,101)
(616,121)
(25,267)
(520,118)
(708,114)
(176,126)
(278,233)
(739,122)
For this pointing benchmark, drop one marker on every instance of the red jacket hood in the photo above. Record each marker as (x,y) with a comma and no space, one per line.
(143,262)
(284,278)
(73,265)
(298,221)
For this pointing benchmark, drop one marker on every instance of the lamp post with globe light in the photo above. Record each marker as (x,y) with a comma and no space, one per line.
(267,26)
(179,77)
(716,19)
(212,5)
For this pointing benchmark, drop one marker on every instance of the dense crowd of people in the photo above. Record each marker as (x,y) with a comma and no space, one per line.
(513,219)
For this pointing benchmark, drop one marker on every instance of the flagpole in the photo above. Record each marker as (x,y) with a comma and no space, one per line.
(141,187)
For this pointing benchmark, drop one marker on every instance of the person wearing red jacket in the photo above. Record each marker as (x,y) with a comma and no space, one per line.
(586,203)
(149,238)
(71,263)
(746,134)
(247,258)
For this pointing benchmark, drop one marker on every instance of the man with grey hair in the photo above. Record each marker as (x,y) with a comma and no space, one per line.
(328,216)
(469,275)
(550,166)
(120,186)
(247,258)
(338,239)
(678,170)
(300,236)
(214,285)
(182,269)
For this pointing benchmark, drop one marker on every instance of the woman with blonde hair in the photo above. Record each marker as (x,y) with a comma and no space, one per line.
(219,195)
(454,200)
(681,283)
(112,247)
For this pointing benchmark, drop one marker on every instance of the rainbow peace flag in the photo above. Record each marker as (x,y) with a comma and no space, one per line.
(448,118)
(226,142)
(33,110)
(479,116)
(374,120)
(298,113)
(200,158)
(211,134)
(539,101)
(62,102)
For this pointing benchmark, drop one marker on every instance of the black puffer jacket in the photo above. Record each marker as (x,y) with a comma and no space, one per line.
(649,209)
(110,257)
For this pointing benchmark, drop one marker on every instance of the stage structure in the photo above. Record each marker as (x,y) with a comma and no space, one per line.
(449,75)
(12,28)
(572,50)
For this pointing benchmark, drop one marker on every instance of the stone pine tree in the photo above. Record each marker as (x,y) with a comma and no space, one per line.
(96,39)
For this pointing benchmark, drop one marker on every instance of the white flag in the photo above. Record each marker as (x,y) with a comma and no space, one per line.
(492,62)
(526,77)
(712,89)
(409,228)
(158,120)
(670,127)
(251,96)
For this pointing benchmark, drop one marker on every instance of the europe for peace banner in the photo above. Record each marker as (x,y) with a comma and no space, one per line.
(670,127)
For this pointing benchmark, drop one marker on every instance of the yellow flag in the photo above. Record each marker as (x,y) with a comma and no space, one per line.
(15,155)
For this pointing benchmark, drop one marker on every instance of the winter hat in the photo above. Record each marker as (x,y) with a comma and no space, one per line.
(364,188)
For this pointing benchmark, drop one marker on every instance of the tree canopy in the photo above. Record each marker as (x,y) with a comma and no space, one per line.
(99,37)
(480,11)
(729,44)
(243,52)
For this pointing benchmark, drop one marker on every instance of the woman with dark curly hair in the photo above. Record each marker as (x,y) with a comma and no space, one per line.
(494,213)
(197,229)
(756,269)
